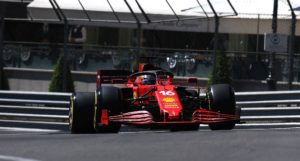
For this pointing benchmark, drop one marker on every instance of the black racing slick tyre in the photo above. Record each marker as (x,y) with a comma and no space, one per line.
(189,105)
(109,98)
(222,99)
(81,113)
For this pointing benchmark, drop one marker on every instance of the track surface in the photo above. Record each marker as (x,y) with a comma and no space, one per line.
(146,145)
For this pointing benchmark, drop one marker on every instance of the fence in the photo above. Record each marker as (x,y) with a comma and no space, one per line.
(182,62)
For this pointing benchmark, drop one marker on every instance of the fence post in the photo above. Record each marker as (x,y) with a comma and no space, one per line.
(291,46)
(2,12)
(271,80)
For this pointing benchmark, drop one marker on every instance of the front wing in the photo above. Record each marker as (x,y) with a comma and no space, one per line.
(200,116)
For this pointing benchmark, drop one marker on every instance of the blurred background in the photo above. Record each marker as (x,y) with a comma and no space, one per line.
(181,39)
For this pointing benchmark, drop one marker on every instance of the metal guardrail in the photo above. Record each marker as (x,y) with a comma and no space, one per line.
(269,106)
(34,109)
(267,98)
(50,110)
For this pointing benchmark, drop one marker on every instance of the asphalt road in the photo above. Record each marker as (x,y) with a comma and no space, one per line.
(235,145)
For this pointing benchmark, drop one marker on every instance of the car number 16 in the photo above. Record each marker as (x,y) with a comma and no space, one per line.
(167,93)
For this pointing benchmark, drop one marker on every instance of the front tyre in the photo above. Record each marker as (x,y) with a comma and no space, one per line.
(110,98)
(81,112)
(222,100)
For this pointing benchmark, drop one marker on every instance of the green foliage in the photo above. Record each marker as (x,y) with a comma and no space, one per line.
(221,72)
(56,84)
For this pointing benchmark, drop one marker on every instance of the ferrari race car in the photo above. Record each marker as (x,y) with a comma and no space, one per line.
(150,97)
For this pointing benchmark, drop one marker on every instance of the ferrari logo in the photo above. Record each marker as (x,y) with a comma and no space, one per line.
(173,113)
(169,99)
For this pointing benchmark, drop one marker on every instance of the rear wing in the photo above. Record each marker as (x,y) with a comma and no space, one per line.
(112,77)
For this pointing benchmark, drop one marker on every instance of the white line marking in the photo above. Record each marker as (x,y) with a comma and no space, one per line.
(33,101)
(36,107)
(143,132)
(271,117)
(266,93)
(271,124)
(34,115)
(269,108)
(13,158)
(37,93)
(28,129)
(35,122)
(265,129)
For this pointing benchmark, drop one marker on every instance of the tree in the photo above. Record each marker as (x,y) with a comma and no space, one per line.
(221,72)
(56,84)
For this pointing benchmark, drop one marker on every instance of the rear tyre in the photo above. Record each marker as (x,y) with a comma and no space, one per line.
(81,112)
(110,98)
(222,99)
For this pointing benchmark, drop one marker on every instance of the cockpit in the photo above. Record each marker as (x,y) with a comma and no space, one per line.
(152,78)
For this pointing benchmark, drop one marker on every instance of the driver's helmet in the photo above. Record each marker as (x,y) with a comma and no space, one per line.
(148,79)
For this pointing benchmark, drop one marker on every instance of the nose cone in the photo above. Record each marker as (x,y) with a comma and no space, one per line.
(169,103)
(172,115)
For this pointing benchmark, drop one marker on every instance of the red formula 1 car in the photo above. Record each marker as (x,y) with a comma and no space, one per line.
(149,97)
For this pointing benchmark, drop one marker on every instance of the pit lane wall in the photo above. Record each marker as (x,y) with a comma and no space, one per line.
(21,79)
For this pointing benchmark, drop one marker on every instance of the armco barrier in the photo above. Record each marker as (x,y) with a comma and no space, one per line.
(34,109)
(46,109)
(269,106)
(267,98)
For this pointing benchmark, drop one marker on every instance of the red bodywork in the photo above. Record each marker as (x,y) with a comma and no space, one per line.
(163,94)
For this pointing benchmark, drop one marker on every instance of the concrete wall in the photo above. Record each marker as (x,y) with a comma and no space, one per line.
(38,80)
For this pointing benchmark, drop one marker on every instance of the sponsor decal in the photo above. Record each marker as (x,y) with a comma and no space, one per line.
(171,105)
(169,99)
